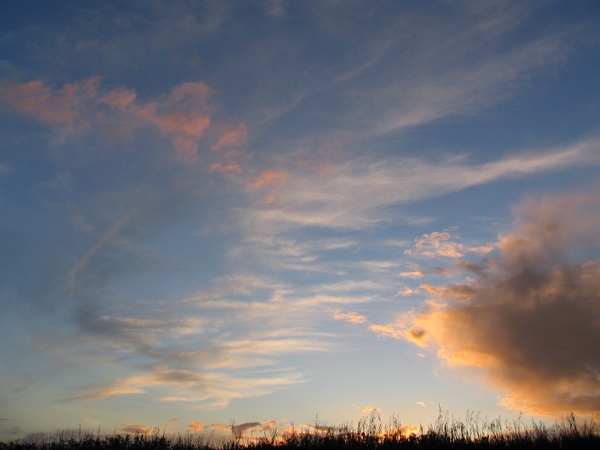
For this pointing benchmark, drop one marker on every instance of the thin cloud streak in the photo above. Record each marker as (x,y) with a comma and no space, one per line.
(465,89)
(214,390)
(356,195)
(104,240)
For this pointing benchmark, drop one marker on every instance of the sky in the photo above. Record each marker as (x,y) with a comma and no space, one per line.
(288,213)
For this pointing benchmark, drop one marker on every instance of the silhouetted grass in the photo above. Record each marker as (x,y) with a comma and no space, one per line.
(370,434)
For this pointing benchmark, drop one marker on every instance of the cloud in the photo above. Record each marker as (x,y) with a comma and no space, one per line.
(295,253)
(412,274)
(196,426)
(357,194)
(247,298)
(203,386)
(184,115)
(323,161)
(466,80)
(530,319)
(270,181)
(105,239)
(231,136)
(169,423)
(241,284)
(370,410)
(392,330)
(444,243)
(228,170)
(136,429)
(220,426)
(240,429)
(436,244)
(406,291)
(139,384)
(350,317)
(64,106)
(128,335)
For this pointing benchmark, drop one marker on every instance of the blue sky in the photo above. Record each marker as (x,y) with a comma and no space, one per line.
(260,212)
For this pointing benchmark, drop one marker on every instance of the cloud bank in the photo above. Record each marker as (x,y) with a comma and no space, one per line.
(530,317)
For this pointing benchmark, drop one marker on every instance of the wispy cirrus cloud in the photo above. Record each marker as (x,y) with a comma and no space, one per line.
(271,182)
(206,349)
(356,194)
(444,64)
(477,62)
(213,390)
(464,87)
(350,317)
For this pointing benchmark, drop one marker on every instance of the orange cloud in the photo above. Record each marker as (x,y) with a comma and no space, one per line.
(136,429)
(110,391)
(530,319)
(52,106)
(273,181)
(370,409)
(412,274)
(387,331)
(231,136)
(169,422)
(436,244)
(183,115)
(196,426)
(227,170)
(324,159)
(351,317)
(220,426)
(119,98)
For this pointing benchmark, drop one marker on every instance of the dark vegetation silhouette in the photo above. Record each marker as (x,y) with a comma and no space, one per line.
(369,434)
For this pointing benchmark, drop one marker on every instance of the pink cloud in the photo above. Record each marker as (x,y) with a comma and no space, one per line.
(220,426)
(184,115)
(323,161)
(231,136)
(136,429)
(438,243)
(196,426)
(62,107)
(272,182)
(120,98)
(350,317)
(227,170)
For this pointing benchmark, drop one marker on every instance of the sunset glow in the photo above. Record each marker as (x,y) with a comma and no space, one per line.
(235,217)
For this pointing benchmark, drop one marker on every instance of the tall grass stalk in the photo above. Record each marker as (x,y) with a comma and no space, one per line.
(472,432)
